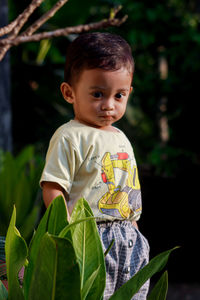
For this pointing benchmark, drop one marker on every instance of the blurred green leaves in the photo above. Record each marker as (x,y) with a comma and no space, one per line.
(19,177)
(45,45)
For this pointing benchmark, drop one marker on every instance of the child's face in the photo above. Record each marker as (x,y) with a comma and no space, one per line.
(99,97)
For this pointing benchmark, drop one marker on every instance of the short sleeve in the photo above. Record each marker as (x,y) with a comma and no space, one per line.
(62,162)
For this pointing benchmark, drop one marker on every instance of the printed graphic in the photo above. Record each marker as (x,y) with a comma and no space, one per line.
(116,202)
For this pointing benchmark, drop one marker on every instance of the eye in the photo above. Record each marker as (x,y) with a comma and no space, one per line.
(119,95)
(97,95)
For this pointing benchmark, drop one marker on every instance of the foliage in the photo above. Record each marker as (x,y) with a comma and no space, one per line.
(66,260)
(19,178)
(160,289)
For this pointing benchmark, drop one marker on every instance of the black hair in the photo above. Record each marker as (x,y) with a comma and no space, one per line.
(97,50)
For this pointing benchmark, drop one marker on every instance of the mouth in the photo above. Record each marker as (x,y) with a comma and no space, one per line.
(106,117)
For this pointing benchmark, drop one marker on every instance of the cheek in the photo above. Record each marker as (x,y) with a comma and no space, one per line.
(94,105)
(122,108)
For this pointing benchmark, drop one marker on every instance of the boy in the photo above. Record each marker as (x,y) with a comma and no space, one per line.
(90,158)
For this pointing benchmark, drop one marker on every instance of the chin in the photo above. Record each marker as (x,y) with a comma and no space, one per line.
(99,124)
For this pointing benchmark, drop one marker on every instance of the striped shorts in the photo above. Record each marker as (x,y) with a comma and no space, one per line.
(129,253)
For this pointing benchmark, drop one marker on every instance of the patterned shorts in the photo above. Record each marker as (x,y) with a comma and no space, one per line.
(129,253)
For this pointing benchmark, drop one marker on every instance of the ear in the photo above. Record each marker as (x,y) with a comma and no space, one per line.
(67,92)
(131,89)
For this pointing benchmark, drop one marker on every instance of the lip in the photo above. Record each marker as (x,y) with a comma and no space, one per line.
(106,117)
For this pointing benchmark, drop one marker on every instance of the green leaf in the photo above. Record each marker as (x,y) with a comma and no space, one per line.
(56,275)
(53,221)
(132,286)
(65,232)
(81,210)
(109,247)
(3,292)
(58,216)
(16,253)
(88,248)
(159,292)
(87,286)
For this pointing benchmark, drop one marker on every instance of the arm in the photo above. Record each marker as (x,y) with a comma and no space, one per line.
(50,191)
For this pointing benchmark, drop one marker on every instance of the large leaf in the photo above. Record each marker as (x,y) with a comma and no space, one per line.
(87,286)
(16,253)
(3,292)
(88,248)
(66,232)
(132,286)
(56,275)
(159,292)
(53,221)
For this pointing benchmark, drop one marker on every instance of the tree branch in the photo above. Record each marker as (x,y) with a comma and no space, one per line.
(37,24)
(17,24)
(63,32)
(13,39)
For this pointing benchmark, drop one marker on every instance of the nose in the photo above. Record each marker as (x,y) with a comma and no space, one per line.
(107,104)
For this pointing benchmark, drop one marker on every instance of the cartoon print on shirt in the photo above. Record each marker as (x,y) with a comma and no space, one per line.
(117,201)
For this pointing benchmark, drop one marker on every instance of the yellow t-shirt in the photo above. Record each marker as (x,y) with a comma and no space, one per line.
(97,165)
